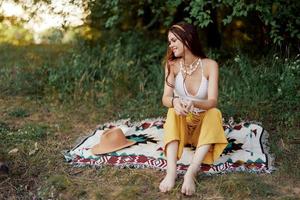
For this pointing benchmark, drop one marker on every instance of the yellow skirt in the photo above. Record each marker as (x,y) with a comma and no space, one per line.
(197,130)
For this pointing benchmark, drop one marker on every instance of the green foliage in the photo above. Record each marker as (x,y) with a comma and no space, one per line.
(125,68)
(198,10)
(3,127)
(23,80)
(127,76)
(252,84)
(274,22)
(279,17)
(114,71)
(19,112)
(13,32)
(52,36)
(132,14)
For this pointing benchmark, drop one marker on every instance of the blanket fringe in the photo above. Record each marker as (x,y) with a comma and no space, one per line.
(266,147)
(240,169)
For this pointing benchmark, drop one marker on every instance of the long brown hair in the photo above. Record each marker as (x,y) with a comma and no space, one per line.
(188,35)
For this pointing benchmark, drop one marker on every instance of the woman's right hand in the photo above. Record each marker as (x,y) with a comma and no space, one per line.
(179,107)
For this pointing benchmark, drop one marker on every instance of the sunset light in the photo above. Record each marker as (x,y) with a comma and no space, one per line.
(56,14)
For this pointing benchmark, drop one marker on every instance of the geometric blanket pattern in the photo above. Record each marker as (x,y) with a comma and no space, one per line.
(247,149)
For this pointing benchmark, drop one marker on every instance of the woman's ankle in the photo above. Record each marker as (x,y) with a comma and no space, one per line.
(192,171)
(172,169)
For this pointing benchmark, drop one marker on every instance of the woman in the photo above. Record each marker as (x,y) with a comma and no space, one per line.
(191,94)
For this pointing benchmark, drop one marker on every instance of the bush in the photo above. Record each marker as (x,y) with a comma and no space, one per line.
(126,75)
(266,85)
(123,68)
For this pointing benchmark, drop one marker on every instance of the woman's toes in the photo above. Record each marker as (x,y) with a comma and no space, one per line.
(188,186)
(162,189)
(167,183)
(183,190)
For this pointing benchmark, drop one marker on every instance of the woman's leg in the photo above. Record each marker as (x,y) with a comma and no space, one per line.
(210,132)
(188,187)
(174,141)
(169,181)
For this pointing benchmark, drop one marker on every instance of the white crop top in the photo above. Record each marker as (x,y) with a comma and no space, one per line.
(181,91)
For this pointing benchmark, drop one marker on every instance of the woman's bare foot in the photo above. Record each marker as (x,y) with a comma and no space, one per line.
(168,182)
(189,186)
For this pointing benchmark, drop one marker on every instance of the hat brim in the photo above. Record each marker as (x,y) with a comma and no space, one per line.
(100,149)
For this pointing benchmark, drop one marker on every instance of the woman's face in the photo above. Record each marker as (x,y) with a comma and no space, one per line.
(175,45)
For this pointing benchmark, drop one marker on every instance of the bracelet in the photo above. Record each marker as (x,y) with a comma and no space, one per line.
(173,101)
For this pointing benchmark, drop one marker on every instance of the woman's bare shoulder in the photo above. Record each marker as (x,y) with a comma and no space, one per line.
(210,62)
(209,65)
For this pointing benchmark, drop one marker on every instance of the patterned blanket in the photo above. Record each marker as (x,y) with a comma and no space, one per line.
(247,148)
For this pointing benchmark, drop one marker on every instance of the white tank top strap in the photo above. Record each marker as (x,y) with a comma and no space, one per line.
(201,65)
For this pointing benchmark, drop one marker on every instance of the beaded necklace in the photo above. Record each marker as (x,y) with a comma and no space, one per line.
(189,69)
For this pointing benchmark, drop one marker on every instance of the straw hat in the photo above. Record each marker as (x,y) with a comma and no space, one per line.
(111,140)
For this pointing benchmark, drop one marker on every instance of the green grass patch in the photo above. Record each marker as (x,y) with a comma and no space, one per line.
(246,186)
(19,112)
(26,135)
(4,127)
(59,182)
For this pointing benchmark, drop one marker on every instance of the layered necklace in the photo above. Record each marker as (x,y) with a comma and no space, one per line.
(189,69)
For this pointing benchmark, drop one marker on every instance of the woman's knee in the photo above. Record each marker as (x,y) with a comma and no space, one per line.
(214,110)
(214,113)
(172,144)
(171,148)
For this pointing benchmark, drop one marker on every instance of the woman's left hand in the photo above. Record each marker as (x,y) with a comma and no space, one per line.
(188,105)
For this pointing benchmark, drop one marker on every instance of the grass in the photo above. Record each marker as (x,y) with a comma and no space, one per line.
(47,102)
(45,174)
(19,112)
